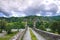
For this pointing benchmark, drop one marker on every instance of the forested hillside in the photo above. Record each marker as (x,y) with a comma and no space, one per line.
(51,23)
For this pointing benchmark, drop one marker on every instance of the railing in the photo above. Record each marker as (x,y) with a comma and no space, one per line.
(48,35)
(19,35)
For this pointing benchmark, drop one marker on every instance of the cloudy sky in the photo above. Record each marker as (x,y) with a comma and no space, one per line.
(19,8)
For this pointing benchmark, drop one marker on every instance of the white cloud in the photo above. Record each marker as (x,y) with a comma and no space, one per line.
(38,14)
(17,14)
(13,7)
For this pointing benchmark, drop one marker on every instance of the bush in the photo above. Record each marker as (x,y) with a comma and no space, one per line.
(55,26)
(8,27)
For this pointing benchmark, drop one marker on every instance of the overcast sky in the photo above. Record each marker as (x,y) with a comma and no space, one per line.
(19,8)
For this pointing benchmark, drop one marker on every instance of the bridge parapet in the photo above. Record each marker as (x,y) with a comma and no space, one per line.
(48,35)
(19,35)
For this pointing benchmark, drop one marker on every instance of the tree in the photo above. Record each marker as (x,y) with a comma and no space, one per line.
(8,27)
(30,23)
(38,24)
(2,25)
(18,25)
(55,26)
(41,25)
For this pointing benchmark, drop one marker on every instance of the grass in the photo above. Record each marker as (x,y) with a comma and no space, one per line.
(8,36)
(33,37)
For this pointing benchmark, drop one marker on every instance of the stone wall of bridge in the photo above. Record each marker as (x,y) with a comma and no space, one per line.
(48,35)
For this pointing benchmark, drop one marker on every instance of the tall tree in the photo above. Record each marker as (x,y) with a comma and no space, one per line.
(2,25)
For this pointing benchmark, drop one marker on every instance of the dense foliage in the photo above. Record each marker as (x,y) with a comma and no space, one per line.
(41,22)
(7,24)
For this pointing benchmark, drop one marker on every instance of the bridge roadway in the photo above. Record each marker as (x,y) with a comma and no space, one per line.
(39,35)
(27,36)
